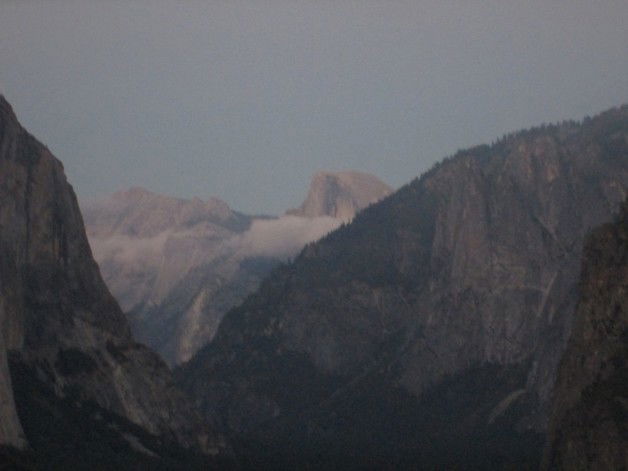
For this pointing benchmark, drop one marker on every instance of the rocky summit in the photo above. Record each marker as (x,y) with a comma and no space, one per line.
(82,388)
(589,420)
(341,194)
(428,331)
(177,266)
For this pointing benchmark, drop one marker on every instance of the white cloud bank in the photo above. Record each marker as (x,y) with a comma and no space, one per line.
(283,237)
(124,249)
(279,238)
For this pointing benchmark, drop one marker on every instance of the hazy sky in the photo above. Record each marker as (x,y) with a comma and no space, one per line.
(244,100)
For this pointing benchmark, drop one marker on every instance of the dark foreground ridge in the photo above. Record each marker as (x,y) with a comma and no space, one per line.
(589,423)
(428,331)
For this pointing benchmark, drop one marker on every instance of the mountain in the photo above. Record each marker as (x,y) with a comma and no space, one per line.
(341,194)
(83,389)
(428,331)
(144,241)
(589,421)
(177,266)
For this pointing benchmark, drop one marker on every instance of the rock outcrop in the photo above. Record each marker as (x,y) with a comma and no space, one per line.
(427,331)
(67,339)
(177,266)
(589,423)
(11,433)
(341,194)
(144,241)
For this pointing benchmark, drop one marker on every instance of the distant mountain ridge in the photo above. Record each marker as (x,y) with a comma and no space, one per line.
(341,194)
(176,266)
(140,212)
(428,331)
(143,241)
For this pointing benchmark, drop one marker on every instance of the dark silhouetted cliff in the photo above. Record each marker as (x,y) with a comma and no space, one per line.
(589,423)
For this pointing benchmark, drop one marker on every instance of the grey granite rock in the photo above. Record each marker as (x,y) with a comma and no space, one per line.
(341,194)
(57,316)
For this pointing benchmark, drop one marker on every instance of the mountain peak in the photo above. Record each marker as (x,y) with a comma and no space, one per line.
(341,194)
(138,211)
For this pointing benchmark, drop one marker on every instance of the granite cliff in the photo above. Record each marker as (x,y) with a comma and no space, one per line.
(177,266)
(341,194)
(11,433)
(428,331)
(144,241)
(589,421)
(81,384)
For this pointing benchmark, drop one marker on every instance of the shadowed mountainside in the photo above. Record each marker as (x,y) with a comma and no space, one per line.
(589,422)
(429,329)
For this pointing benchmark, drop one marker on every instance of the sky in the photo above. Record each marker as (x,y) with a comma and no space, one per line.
(245,100)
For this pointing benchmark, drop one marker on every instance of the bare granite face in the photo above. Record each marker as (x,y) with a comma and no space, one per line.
(589,420)
(454,297)
(341,194)
(144,242)
(11,432)
(57,317)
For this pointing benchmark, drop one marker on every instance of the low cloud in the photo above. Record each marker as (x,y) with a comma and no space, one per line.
(283,237)
(280,238)
(122,249)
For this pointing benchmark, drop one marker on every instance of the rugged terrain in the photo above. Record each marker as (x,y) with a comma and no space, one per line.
(143,241)
(589,423)
(177,266)
(341,194)
(83,388)
(428,331)
(11,433)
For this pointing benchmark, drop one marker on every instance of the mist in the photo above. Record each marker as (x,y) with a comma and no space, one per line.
(281,238)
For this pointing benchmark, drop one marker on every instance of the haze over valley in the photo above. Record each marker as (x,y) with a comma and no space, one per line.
(313,235)
(177,266)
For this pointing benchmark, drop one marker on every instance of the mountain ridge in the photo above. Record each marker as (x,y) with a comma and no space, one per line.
(470,268)
(176,265)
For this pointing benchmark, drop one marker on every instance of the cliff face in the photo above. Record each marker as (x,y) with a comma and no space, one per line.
(10,427)
(63,330)
(144,241)
(429,329)
(341,194)
(589,422)
(177,266)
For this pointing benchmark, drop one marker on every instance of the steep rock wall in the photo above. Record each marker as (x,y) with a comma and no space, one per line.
(589,422)
(58,319)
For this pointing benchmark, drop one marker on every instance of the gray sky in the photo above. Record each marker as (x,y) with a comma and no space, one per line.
(244,100)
